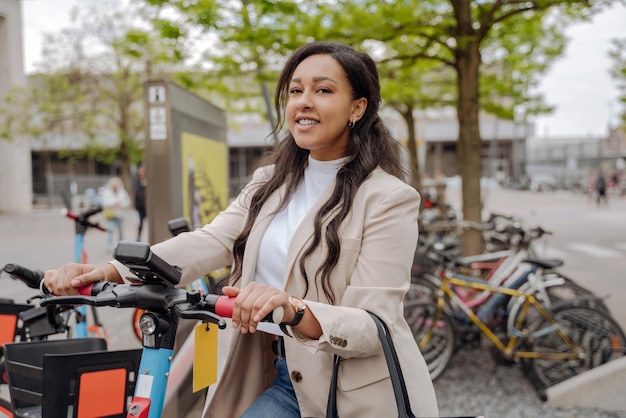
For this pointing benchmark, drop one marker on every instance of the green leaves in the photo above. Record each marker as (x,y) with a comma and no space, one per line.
(617,54)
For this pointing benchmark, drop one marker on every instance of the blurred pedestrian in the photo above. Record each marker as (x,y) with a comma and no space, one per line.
(114,200)
(601,189)
(140,185)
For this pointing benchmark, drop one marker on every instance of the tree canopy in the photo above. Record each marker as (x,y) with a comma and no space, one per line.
(89,83)
(496,50)
(617,54)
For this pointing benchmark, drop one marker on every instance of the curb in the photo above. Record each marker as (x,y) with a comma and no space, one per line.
(602,387)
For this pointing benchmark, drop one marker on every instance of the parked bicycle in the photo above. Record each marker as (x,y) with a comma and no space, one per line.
(552,344)
(514,268)
(180,398)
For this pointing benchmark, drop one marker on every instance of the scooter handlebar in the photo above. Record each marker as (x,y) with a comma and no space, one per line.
(31,278)
(159,298)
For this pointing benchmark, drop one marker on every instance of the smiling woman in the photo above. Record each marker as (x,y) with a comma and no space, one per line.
(327,230)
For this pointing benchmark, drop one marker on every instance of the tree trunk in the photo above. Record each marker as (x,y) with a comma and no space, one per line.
(469,149)
(416,180)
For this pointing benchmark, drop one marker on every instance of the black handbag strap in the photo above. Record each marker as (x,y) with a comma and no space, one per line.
(331,406)
(395,374)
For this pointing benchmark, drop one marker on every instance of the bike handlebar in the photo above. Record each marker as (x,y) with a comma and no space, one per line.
(157,293)
(159,298)
(82,218)
(32,278)
(178,226)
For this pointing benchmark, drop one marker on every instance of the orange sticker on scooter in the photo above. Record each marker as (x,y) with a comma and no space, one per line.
(204,356)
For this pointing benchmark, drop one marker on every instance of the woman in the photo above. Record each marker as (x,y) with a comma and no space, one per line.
(326,229)
(114,200)
(140,187)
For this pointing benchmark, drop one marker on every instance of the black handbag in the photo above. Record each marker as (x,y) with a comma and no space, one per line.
(395,373)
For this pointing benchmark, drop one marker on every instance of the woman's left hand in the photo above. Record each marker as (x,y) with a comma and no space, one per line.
(253,303)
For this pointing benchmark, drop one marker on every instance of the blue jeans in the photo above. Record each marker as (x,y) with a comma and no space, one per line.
(277,401)
(114,224)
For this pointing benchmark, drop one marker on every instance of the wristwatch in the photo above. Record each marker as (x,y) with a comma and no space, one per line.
(299,307)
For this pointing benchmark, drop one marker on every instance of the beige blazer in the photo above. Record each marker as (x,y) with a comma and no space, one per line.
(378,241)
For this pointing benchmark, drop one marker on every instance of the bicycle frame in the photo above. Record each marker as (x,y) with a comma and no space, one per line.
(508,267)
(508,348)
(153,374)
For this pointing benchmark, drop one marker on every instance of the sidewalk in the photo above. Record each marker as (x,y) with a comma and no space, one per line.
(45,238)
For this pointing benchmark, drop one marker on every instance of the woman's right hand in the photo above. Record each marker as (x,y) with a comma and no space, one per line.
(70,277)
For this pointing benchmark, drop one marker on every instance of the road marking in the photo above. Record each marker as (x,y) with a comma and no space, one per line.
(595,250)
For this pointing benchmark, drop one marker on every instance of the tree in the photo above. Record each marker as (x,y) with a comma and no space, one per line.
(89,84)
(617,54)
(248,42)
(408,87)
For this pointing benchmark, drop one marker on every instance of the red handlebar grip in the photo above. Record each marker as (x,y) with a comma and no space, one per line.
(224,306)
(85,290)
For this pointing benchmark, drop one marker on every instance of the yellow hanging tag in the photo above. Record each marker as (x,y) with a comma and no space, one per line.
(204,356)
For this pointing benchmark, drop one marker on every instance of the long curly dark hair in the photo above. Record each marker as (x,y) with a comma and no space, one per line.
(370,145)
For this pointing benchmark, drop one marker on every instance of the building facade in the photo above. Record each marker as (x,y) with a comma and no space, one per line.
(573,162)
(248,138)
(15,157)
(504,144)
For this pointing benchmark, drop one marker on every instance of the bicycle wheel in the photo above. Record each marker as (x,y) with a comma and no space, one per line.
(422,290)
(596,336)
(573,292)
(5,409)
(553,290)
(435,337)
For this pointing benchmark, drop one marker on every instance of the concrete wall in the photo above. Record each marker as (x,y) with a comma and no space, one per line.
(15,158)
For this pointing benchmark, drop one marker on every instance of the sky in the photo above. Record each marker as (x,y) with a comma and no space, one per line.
(578,84)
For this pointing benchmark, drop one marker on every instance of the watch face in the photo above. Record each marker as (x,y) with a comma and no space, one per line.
(299,304)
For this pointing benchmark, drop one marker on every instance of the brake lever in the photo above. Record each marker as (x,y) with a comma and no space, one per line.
(203,316)
(32,298)
(67,300)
